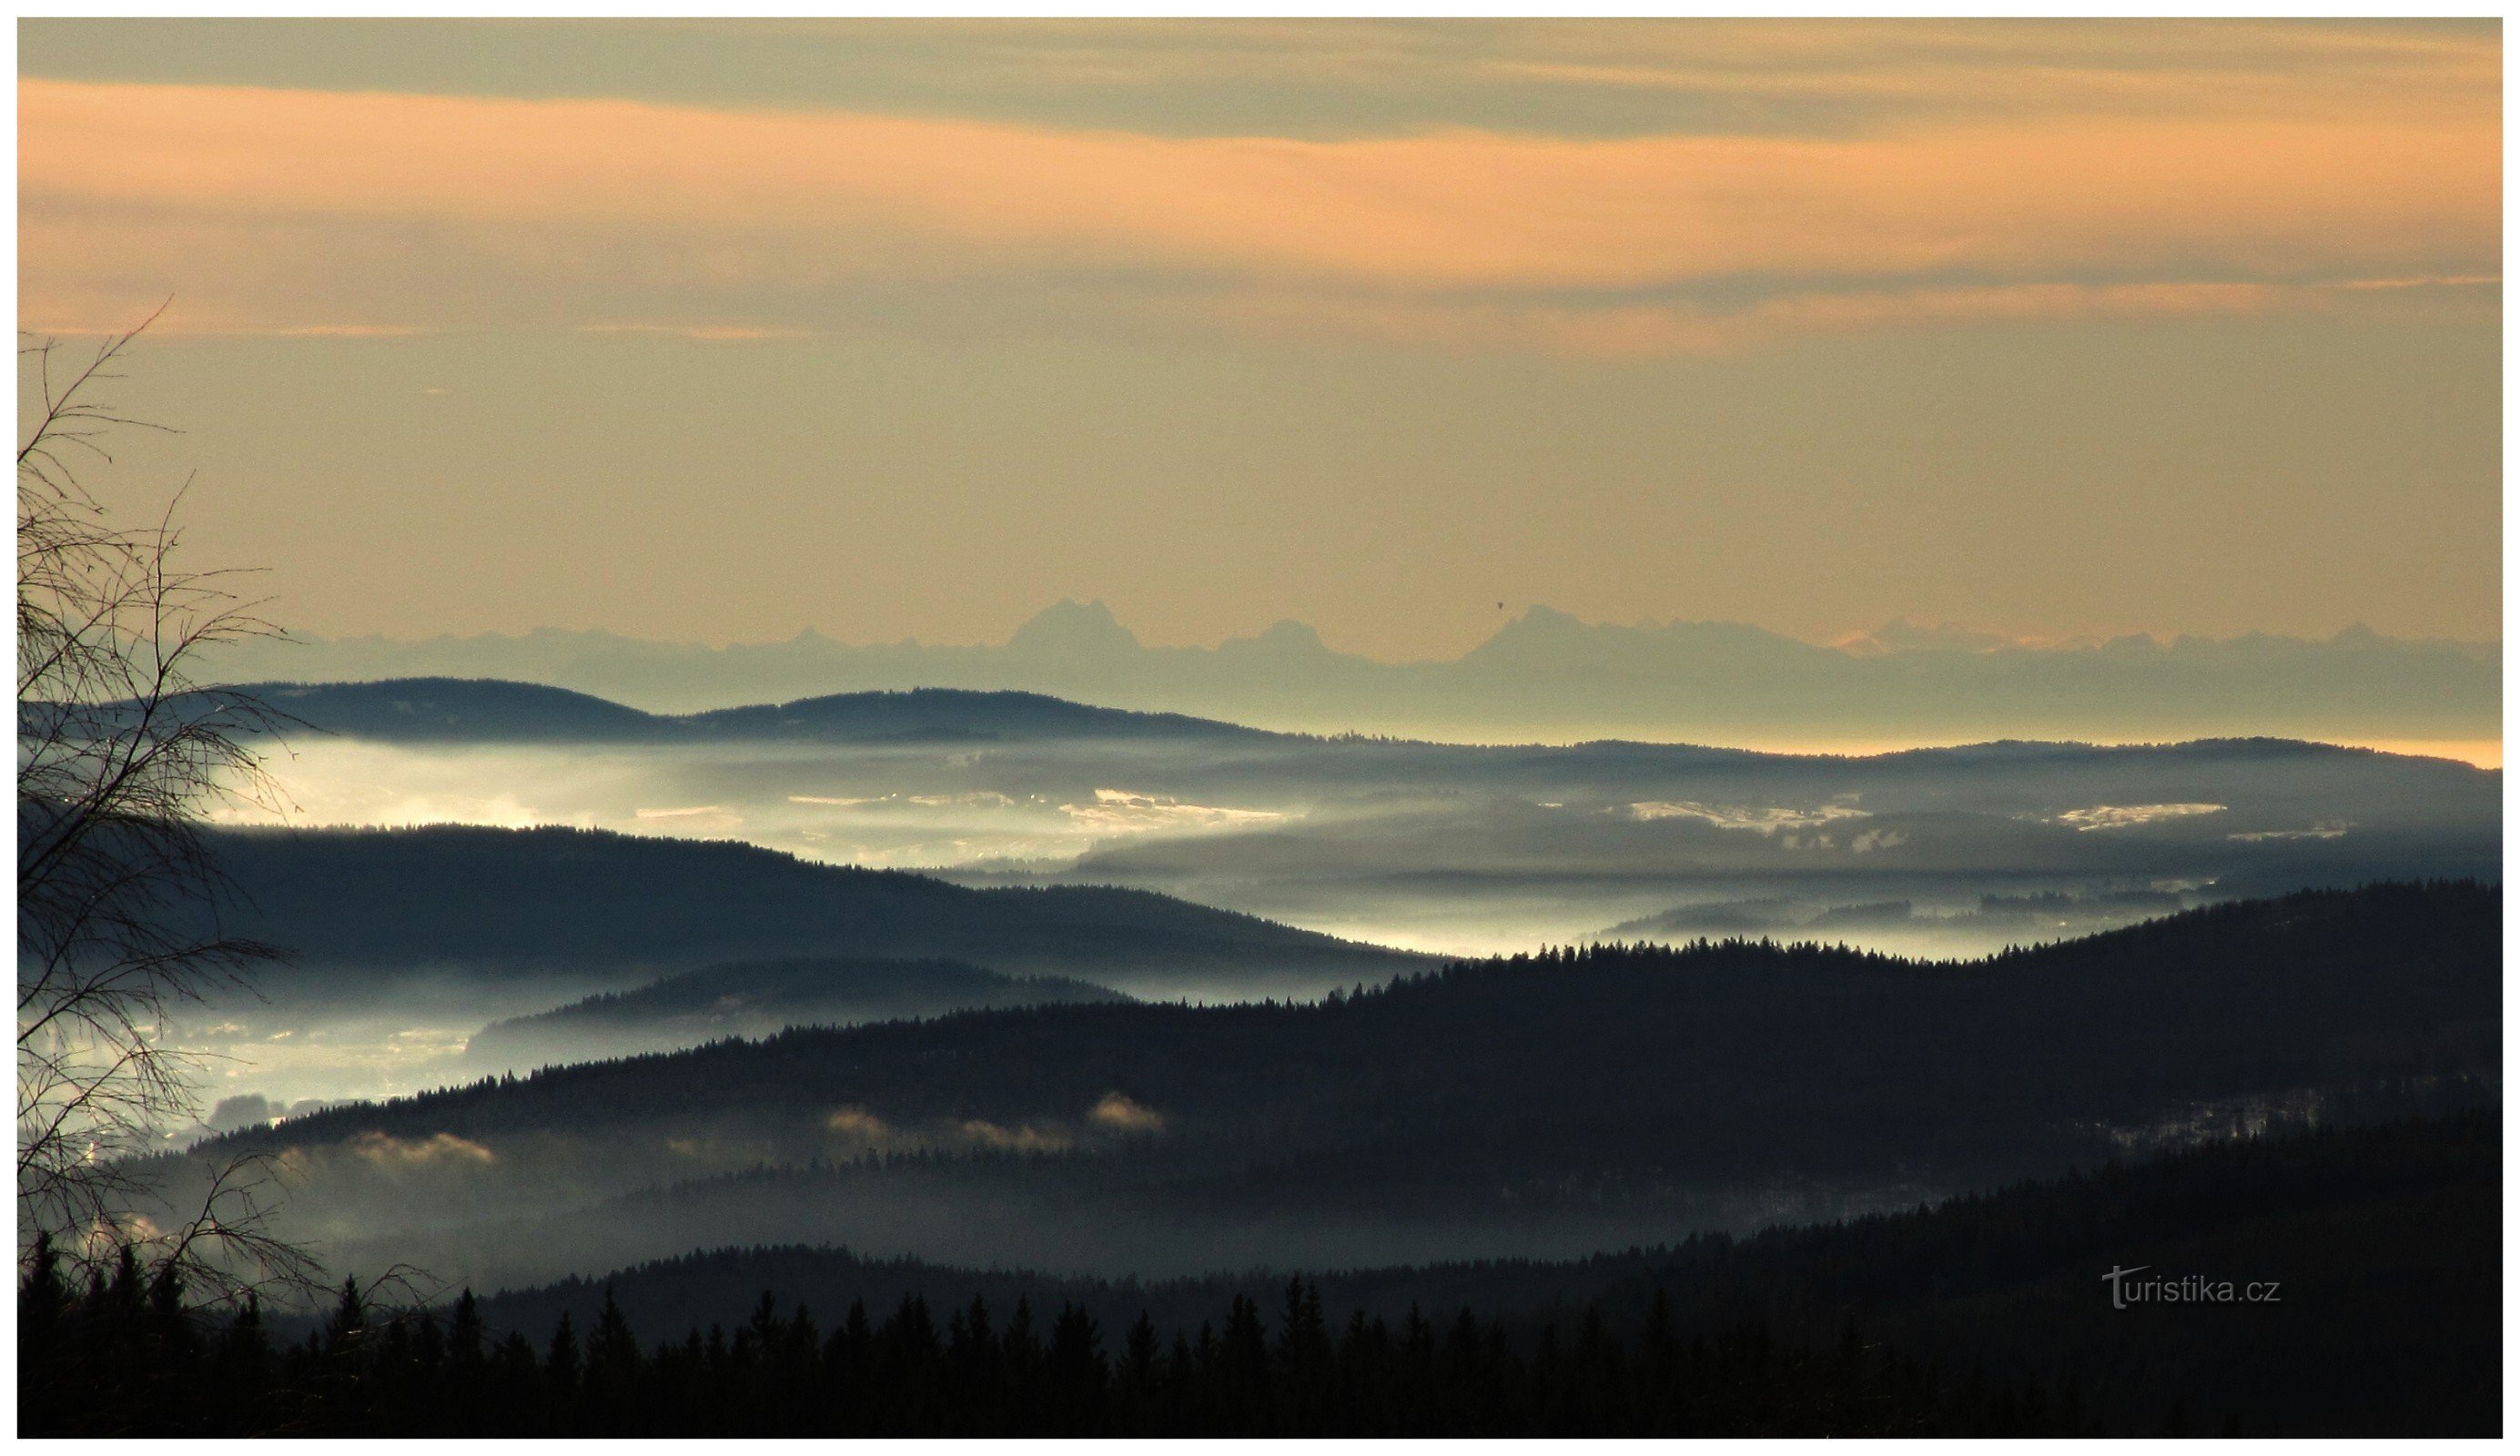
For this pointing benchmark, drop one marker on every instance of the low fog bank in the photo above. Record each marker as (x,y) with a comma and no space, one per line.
(313,1036)
(506,1212)
(999,1225)
(1470,851)
(1423,847)
(315,1032)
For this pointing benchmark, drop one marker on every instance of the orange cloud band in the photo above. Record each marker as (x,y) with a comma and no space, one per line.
(297,210)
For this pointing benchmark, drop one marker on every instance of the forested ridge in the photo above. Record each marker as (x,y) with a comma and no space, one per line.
(1983,1316)
(521,899)
(459,709)
(758,997)
(1638,1067)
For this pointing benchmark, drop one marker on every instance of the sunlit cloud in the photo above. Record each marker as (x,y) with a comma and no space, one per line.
(2128,816)
(1760,820)
(386,1150)
(277,212)
(857,1123)
(1120,1113)
(1119,811)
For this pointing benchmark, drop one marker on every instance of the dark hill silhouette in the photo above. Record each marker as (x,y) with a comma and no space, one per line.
(754,998)
(447,709)
(517,900)
(945,713)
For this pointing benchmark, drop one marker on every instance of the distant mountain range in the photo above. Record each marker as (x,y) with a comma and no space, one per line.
(1544,675)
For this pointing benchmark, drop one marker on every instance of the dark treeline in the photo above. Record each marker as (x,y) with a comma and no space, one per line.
(2386,1241)
(1981,1315)
(122,1358)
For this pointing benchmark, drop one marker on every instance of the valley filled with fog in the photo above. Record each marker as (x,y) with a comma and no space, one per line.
(1269,866)
(1260,729)
(1455,849)
(962,982)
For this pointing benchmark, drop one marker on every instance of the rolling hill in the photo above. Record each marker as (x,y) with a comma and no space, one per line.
(448,710)
(516,901)
(1711,1055)
(1547,1103)
(756,998)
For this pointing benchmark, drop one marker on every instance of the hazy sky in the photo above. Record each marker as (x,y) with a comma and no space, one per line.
(717,331)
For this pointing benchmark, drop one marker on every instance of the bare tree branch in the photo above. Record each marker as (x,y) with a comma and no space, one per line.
(121,759)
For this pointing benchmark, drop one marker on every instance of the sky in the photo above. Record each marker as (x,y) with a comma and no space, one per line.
(718,331)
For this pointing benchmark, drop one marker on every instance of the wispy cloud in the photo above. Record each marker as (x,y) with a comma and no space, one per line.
(2042,68)
(278,211)
(706,332)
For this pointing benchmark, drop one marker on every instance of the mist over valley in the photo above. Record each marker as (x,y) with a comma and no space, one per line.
(1260,728)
